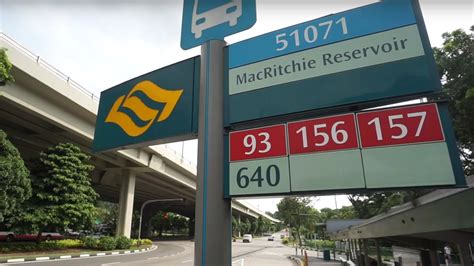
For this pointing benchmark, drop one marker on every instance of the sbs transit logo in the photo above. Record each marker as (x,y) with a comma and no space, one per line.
(145,116)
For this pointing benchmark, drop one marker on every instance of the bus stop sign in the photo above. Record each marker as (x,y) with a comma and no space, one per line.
(214,19)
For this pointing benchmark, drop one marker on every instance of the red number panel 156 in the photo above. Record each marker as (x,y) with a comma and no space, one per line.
(398,126)
(323,134)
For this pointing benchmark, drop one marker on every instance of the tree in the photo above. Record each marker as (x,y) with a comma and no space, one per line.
(5,68)
(62,191)
(245,226)
(106,213)
(296,212)
(235,226)
(15,184)
(455,60)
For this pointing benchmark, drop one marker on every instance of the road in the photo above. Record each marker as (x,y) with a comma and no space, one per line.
(259,252)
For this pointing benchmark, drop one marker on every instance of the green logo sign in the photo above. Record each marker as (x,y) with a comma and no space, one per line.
(158,107)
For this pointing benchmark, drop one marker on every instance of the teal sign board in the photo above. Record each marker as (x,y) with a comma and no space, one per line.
(157,107)
(205,20)
(402,147)
(374,52)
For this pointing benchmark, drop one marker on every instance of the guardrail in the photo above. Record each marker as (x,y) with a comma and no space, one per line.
(47,66)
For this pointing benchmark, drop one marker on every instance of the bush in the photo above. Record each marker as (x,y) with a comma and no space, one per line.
(143,241)
(123,242)
(70,243)
(89,242)
(107,243)
(284,241)
(48,245)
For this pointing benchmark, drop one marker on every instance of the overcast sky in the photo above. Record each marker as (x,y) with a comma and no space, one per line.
(100,43)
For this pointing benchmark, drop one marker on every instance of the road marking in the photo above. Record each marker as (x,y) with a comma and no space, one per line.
(186,261)
(42,258)
(112,263)
(241,262)
(15,260)
(101,254)
(65,257)
(84,255)
(153,258)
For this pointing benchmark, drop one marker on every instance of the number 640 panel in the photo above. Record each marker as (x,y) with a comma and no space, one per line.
(402,147)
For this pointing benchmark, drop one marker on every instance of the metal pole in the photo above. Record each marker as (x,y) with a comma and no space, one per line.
(213,212)
(143,207)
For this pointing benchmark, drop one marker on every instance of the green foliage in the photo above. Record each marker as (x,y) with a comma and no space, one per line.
(69,243)
(284,241)
(90,243)
(143,241)
(147,242)
(171,222)
(123,242)
(63,196)
(455,60)
(106,213)
(5,68)
(107,243)
(298,214)
(43,246)
(235,226)
(322,244)
(15,184)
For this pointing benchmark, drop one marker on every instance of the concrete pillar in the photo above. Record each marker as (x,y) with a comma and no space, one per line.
(127,194)
(366,252)
(238,220)
(148,231)
(191,227)
(434,257)
(465,253)
(379,256)
(360,260)
(350,249)
(147,228)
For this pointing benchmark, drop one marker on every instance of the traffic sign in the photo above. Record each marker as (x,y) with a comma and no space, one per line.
(215,19)
(409,146)
(157,107)
(376,52)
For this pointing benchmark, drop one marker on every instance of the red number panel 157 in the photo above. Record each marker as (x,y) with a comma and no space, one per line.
(398,126)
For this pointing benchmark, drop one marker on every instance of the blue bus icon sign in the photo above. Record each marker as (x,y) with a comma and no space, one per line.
(205,20)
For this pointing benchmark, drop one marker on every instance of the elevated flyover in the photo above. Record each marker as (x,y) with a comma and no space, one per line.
(44,107)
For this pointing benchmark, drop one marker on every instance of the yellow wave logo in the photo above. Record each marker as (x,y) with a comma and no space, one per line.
(142,111)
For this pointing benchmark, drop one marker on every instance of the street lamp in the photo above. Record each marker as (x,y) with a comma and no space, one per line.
(143,207)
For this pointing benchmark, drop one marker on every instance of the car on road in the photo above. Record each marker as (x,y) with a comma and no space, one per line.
(13,236)
(271,238)
(247,238)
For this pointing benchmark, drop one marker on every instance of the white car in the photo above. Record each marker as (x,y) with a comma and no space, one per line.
(247,238)
(229,12)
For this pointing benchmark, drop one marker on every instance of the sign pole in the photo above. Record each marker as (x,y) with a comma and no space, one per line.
(213,212)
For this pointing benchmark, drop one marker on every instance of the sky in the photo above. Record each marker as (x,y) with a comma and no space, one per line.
(101,43)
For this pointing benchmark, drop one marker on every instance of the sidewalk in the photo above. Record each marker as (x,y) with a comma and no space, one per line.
(316,258)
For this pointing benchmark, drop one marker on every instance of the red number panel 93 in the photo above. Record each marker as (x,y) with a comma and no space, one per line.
(258,143)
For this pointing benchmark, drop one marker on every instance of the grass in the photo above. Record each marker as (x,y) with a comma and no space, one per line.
(57,253)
